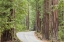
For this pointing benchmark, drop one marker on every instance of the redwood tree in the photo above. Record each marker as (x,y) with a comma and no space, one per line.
(38,20)
(54,21)
(46,20)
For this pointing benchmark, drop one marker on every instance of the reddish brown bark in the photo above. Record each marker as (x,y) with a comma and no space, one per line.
(54,22)
(38,20)
(46,20)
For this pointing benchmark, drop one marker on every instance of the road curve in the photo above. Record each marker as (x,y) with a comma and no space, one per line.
(27,36)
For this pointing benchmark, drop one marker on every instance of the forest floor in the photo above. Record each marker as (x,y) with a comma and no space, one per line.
(27,36)
(39,36)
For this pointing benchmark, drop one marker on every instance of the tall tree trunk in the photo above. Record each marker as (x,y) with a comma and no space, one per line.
(27,19)
(46,20)
(54,21)
(12,19)
(38,20)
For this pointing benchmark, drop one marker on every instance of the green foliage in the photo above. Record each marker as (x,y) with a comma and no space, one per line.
(61,20)
(5,7)
(20,27)
(21,10)
(20,14)
(61,33)
(32,11)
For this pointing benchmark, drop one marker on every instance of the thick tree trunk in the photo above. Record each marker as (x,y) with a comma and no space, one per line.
(7,35)
(46,20)
(54,21)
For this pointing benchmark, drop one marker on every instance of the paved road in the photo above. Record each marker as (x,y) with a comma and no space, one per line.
(27,36)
